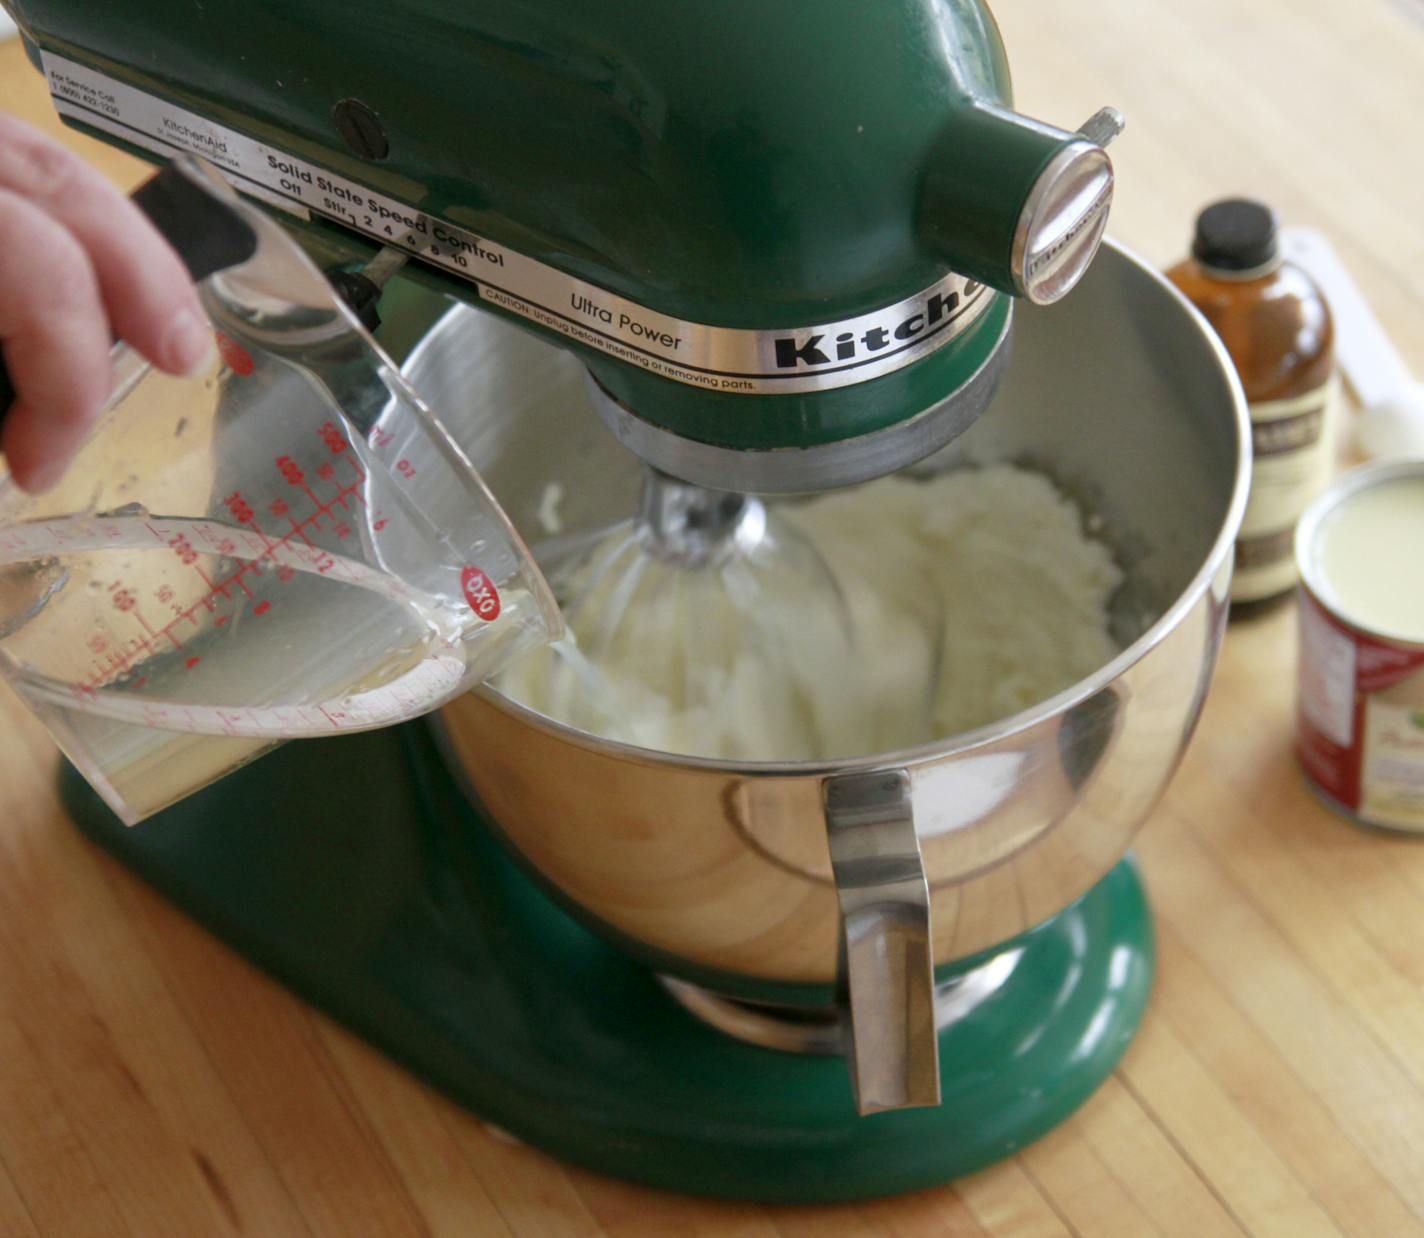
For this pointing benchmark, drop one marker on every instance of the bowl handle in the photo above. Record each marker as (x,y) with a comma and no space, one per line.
(887,963)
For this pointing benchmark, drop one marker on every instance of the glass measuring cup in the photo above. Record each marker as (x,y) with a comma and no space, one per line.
(288,545)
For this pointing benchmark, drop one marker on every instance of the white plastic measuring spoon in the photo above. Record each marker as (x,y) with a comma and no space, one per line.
(1391,420)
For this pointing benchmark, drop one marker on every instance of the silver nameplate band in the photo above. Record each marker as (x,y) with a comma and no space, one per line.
(735,359)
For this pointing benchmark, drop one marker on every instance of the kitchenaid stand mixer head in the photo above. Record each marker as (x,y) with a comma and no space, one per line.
(783,239)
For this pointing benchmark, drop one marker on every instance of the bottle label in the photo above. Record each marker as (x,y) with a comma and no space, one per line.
(1293,442)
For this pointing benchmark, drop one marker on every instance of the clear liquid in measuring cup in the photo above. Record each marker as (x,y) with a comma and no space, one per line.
(273,548)
(162,651)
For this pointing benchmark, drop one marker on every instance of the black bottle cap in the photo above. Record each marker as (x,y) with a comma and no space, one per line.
(1236,234)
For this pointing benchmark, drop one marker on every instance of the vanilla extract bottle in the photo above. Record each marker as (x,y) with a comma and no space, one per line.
(1276,325)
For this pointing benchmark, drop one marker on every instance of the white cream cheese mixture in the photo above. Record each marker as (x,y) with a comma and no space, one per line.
(970,595)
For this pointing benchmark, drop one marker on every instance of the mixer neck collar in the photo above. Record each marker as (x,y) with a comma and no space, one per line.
(693,525)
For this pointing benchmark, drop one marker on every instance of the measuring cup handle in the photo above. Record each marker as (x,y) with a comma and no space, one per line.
(206,232)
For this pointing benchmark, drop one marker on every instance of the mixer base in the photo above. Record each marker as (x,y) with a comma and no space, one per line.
(353,871)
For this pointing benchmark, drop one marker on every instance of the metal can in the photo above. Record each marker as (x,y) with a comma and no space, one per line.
(1360,701)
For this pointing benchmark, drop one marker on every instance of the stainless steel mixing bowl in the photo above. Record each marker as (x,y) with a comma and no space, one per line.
(722,873)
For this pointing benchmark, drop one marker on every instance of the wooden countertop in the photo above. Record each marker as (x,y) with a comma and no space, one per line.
(151,1083)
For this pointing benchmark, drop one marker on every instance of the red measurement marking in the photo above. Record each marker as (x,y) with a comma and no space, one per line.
(139,682)
(480,593)
(238,359)
(192,662)
(213,590)
(258,543)
(300,529)
(117,662)
(239,507)
(268,548)
(183,548)
(291,471)
(331,435)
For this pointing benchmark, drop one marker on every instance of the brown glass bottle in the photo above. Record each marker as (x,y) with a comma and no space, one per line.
(1276,325)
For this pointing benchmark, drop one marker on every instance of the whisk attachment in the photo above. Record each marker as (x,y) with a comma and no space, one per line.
(694,526)
(708,624)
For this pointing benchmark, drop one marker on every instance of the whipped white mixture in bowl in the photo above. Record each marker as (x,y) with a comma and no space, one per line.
(971,595)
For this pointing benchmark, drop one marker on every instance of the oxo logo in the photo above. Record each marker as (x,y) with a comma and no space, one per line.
(480,593)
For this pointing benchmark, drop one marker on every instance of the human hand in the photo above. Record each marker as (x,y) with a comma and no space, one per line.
(79,265)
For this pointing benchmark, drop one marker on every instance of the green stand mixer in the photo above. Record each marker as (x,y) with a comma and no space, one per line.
(773,250)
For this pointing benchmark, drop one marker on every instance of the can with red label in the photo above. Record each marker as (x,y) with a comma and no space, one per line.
(1360,705)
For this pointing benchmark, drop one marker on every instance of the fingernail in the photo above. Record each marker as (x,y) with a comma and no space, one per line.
(189,344)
